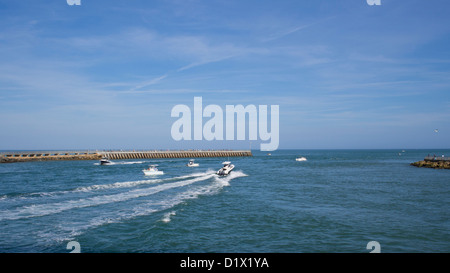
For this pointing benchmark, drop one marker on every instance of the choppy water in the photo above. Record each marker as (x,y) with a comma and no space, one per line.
(337,201)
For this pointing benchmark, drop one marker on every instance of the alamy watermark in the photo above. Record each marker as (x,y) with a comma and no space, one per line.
(374,246)
(76,248)
(213,129)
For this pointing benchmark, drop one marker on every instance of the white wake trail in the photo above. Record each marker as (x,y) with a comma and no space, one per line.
(52,208)
(137,183)
(153,206)
(116,185)
(122,163)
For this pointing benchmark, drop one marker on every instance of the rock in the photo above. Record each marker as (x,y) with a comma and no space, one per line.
(431,164)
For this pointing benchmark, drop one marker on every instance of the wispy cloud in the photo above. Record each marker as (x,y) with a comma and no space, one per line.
(291,30)
(204,62)
(149,82)
(283,33)
(327,64)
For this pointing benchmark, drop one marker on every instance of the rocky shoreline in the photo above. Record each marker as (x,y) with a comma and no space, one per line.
(432,164)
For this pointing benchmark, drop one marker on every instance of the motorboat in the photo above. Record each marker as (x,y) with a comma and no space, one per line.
(301,158)
(105,161)
(226,169)
(152,170)
(192,163)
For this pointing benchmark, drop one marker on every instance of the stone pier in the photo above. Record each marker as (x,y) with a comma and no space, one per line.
(11,157)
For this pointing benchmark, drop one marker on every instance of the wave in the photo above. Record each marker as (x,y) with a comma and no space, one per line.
(226,179)
(52,208)
(167,216)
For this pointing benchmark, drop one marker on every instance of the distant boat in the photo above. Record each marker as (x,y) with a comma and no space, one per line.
(192,163)
(226,169)
(105,161)
(301,158)
(152,170)
(436,130)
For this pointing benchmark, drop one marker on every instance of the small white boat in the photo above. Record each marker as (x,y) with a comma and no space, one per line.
(152,170)
(301,158)
(105,161)
(226,169)
(192,163)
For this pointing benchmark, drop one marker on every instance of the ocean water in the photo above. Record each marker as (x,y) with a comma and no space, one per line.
(336,201)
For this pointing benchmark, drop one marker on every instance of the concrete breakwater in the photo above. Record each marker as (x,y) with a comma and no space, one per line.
(435,162)
(12,157)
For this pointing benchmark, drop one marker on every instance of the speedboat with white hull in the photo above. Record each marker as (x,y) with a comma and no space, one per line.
(105,161)
(152,170)
(301,158)
(192,163)
(226,169)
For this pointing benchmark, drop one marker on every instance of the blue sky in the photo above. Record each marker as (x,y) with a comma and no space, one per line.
(106,74)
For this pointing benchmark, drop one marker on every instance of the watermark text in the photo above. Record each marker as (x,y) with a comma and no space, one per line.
(213,129)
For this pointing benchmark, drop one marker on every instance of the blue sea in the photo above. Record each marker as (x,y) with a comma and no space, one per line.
(336,201)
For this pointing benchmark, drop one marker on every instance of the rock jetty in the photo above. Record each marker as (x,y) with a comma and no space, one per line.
(433,162)
(10,157)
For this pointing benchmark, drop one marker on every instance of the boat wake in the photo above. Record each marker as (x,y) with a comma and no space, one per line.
(88,207)
(154,206)
(122,163)
(126,184)
(37,210)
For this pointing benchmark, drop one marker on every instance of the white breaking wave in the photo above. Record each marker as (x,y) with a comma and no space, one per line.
(167,216)
(226,179)
(52,208)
